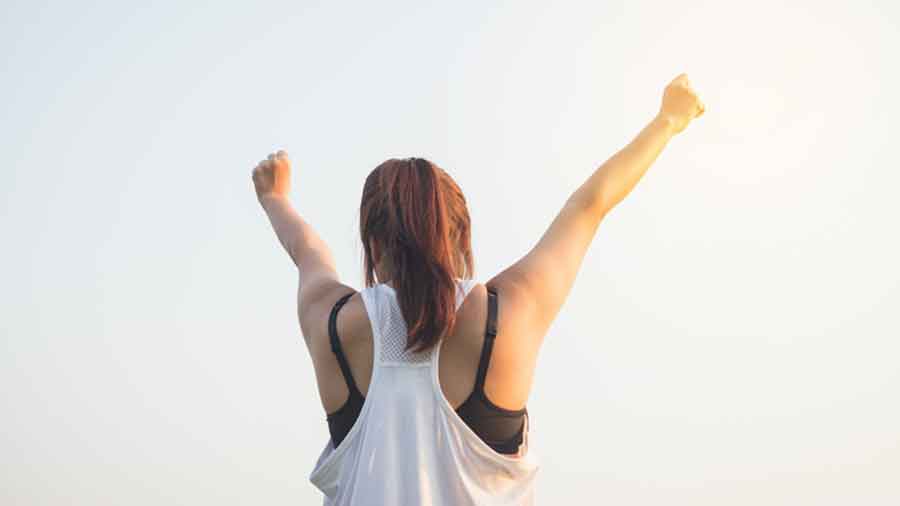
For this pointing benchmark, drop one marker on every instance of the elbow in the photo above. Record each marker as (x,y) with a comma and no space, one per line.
(594,203)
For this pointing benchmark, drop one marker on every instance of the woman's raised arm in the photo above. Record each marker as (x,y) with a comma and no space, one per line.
(533,289)
(319,280)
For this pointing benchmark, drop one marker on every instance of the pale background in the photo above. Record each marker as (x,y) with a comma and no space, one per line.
(732,337)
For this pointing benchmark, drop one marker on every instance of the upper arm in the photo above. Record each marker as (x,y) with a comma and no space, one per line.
(534,288)
(315,298)
(319,287)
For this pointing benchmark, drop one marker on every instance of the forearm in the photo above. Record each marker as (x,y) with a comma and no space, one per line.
(613,180)
(296,235)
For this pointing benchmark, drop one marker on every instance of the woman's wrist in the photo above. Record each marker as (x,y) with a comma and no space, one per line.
(665,123)
(271,198)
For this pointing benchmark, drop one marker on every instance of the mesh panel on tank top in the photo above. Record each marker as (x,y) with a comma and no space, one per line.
(393,336)
(393,327)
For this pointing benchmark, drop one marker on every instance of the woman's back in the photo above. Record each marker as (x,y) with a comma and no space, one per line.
(409,445)
(508,378)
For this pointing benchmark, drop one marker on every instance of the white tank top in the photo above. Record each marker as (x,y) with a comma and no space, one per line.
(409,446)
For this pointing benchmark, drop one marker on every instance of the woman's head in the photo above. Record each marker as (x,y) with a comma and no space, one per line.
(415,230)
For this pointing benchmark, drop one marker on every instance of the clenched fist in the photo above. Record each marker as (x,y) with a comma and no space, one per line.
(272,176)
(680,103)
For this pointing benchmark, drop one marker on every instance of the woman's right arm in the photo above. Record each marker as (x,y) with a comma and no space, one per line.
(533,289)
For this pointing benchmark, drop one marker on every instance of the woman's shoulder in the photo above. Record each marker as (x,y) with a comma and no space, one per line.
(351,320)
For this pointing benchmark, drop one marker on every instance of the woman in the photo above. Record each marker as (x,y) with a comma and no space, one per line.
(424,376)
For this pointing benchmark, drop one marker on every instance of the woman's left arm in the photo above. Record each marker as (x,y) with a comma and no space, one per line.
(318,275)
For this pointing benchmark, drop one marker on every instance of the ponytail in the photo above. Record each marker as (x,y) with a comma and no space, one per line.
(418,216)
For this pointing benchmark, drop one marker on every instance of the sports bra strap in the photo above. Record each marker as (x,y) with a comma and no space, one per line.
(490,332)
(336,344)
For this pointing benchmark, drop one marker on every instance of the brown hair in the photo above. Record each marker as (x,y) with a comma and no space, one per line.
(417,216)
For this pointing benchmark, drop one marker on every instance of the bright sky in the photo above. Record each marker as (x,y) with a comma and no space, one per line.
(732,337)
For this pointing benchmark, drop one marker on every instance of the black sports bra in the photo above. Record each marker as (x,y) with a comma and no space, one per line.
(499,428)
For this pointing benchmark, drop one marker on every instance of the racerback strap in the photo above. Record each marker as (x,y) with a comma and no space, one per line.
(336,344)
(490,332)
